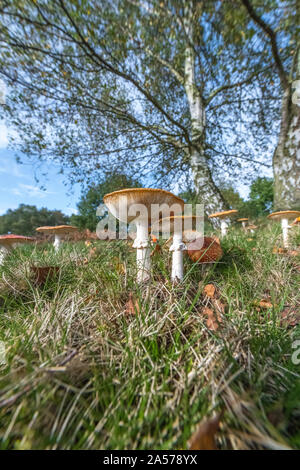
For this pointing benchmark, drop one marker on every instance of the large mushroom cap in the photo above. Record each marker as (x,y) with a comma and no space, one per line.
(223,214)
(284,215)
(119,200)
(59,229)
(9,240)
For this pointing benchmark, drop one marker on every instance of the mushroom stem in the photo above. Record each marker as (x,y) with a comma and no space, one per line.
(3,252)
(285,232)
(57,242)
(224,226)
(244,224)
(177,248)
(141,243)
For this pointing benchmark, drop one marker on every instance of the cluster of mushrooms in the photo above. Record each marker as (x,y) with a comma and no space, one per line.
(125,204)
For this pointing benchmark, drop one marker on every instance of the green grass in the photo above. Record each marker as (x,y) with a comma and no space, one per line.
(81,373)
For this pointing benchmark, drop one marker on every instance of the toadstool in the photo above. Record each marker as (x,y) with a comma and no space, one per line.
(57,231)
(7,242)
(175,224)
(223,216)
(243,221)
(124,205)
(284,216)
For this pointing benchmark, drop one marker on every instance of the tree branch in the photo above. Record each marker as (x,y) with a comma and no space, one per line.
(273,40)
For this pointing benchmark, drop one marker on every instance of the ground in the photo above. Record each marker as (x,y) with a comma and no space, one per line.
(92,362)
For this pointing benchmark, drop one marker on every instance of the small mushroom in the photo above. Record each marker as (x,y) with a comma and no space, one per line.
(251,228)
(223,216)
(57,231)
(8,242)
(125,204)
(243,221)
(284,216)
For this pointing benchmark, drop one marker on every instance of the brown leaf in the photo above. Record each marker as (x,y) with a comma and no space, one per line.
(204,436)
(209,290)
(132,306)
(213,319)
(264,304)
(157,249)
(290,317)
(43,273)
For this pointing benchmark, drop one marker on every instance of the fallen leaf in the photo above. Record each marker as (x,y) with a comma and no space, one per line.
(264,304)
(209,290)
(213,319)
(132,306)
(157,249)
(294,253)
(43,273)
(290,317)
(204,437)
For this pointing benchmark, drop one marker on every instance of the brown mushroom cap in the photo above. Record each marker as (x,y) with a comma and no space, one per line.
(244,219)
(223,214)
(9,240)
(251,227)
(284,215)
(143,196)
(59,229)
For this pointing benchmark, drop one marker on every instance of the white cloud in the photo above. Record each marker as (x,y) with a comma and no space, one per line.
(3,135)
(32,191)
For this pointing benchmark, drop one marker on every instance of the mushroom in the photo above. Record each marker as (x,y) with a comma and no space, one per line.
(204,249)
(58,231)
(243,221)
(174,224)
(125,204)
(284,216)
(223,216)
(7,242)
(251,228)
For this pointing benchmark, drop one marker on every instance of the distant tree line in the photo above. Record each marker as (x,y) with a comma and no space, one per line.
(25,219)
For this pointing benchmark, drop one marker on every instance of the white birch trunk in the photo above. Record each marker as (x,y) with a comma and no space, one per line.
(204,185)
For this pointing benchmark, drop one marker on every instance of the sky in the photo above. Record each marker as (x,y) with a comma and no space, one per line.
(18,184)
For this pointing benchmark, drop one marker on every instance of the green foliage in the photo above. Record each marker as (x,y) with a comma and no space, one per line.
(25,219)
(93,196)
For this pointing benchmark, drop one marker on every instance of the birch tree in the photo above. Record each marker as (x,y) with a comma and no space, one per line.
(148,88)
(278,25)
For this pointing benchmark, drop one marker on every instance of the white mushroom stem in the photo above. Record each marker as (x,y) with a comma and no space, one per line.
(141,243)
(57,242)
(177,248)
(224,227)
(244,224)
(285,232)
(3,252)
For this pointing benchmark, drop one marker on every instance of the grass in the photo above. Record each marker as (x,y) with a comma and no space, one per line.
(83,373)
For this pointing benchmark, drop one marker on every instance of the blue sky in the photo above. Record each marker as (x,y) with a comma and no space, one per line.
(18,184)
